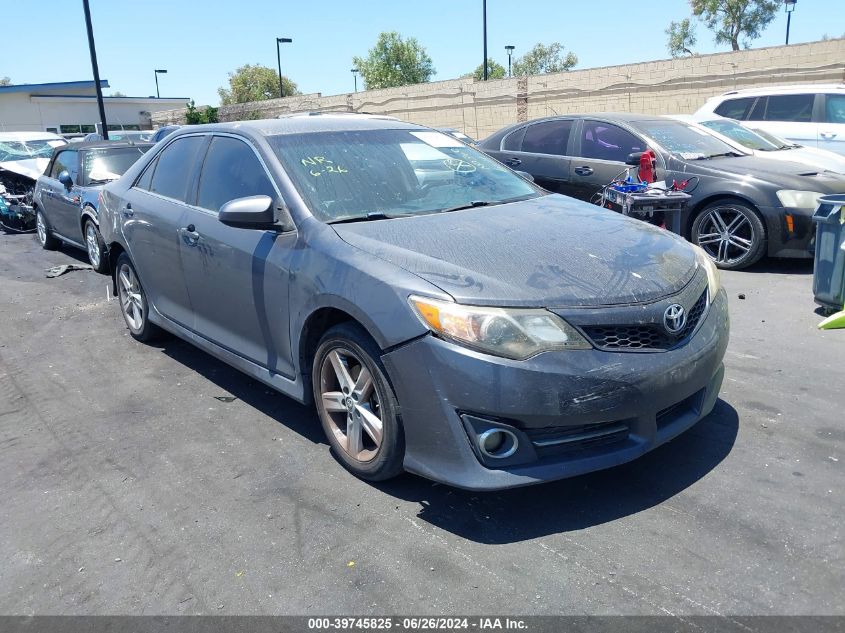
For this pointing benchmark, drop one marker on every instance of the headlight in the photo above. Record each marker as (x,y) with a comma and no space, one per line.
(714,279)
(799,199)
(512,333)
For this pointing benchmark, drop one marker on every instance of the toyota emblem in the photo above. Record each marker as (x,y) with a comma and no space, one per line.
(674,318)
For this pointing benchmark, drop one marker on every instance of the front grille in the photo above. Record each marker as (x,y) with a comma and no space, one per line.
(554,440)
(644,337)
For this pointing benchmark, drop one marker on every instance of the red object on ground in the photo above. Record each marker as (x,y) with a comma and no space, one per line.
(647,160)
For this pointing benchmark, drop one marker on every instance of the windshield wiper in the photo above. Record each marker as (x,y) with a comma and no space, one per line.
(469,205)
(722,155)
(372,215)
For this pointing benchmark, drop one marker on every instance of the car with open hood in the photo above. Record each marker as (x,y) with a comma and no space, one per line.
(469,326)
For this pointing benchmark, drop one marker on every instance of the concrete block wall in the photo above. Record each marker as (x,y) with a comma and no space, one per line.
(478,108)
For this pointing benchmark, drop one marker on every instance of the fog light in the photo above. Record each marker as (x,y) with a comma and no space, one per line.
(497,443)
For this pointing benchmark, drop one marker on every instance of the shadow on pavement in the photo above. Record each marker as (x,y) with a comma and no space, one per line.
(574,504)
(782,266)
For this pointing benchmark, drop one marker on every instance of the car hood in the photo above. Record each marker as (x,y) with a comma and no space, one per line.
(780,173)
(551,251)
(31,167)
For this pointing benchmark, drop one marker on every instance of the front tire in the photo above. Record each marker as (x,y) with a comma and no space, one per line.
(133,301)
(96,247)
(356,404)
(731,233)
(42,230)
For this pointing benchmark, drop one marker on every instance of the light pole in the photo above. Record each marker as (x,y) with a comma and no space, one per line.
(354,72)
(157,73)
(484,9)
(281,40)
(790,7)
(92,49)
(509,49)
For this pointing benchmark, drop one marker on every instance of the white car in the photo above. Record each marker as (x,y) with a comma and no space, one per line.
(765,145)
(812,115)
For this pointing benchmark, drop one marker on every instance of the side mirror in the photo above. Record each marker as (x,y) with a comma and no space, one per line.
(66,180)
(255,212)
(634,159)
(526,175)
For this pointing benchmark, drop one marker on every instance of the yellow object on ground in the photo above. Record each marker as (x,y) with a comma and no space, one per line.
(834,321)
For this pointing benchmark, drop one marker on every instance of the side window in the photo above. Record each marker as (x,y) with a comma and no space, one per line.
(549,137)
(835,109)
(513,141)
(604,141)
(146,178)
(735,108)
(175,165)
(231,170)
(796,108)
(66,160)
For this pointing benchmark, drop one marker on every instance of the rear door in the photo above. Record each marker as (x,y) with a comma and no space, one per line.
(602,149)
(789,116)
(152,213)
(832,126)
(237,279)
(542,150)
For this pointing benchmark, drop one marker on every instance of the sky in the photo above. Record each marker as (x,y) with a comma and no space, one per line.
(199,44)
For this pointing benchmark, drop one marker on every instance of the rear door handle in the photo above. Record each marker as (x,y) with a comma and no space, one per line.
(189,235)
(828,136)
(127,211)
(584,171)
(513,162)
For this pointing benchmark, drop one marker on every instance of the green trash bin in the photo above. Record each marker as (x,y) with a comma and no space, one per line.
(829,267)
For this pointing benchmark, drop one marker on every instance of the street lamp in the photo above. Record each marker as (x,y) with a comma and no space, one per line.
(509,49)
(158,72)
(790,7)
(354,72)
(281,40)
(484,9)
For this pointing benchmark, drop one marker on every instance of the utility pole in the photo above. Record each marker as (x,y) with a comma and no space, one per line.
(96,70)
(485,39)
(281,40)
(790,7)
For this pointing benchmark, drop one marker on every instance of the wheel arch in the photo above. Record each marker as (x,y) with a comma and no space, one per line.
(88,213)
(715,197)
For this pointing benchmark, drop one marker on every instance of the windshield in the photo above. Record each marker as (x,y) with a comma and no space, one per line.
(774,140)
(740,134)
(106,164)
(357,174)
(24,150)
(686,141)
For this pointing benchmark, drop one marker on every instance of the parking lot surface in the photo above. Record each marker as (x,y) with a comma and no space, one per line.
(128,487)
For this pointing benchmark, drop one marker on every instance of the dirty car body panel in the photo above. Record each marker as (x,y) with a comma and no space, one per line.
(253,297)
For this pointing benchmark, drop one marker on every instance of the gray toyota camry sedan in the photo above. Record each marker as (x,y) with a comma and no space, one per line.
(445,316)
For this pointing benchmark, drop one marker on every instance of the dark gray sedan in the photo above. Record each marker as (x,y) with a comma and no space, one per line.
(463,325)
(743,207)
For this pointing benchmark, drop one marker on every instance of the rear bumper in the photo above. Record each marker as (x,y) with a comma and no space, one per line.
(559,405)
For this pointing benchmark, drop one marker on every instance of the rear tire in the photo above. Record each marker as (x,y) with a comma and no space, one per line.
(356,404)
(42,231)
(731,232)
(133,301)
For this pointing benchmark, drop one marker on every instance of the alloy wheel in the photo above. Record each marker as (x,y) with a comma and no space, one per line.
(726,234)
(92,243)
(351,404)
(41,228)
(131,300)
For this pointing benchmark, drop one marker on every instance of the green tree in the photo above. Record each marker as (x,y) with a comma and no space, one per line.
(197,117)
(5,81)
(254,83)
(394,61)
(494,71)
(681,38)
(731,20)
(543,59)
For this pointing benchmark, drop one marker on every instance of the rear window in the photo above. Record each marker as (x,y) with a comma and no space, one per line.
(550,137)
(835,109)
(103,165)
(735,108)
(794,108)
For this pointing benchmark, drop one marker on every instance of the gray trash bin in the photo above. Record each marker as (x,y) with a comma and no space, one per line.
(829,268)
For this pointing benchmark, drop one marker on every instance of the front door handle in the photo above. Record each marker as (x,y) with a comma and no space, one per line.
(584,171)
(189,235)
(513,162)
(828,136)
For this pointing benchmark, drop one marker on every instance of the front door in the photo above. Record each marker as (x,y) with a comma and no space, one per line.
(61,205)
(237,279)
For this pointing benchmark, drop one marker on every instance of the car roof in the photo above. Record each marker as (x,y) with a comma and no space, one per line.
(770,90)
(30,136)
(306,122)
(107,144)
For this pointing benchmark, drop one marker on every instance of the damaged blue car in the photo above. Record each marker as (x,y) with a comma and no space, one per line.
(444,315)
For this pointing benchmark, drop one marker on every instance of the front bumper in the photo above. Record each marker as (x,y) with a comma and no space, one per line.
(791,232)
(656,396)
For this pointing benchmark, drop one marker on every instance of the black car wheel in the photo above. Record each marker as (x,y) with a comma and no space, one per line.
(731,233)
(356,404)
(133,302)
(95,247)
(42,230)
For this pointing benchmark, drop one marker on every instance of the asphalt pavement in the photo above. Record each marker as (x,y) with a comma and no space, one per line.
(128,487)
